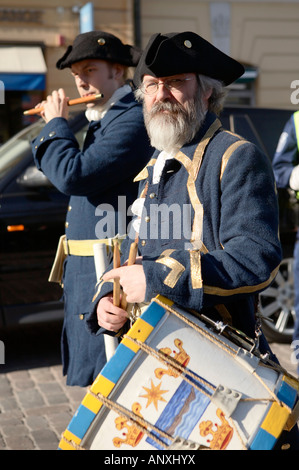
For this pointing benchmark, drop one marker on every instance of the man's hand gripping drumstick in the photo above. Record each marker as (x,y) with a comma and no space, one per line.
(131,261)
(131,278)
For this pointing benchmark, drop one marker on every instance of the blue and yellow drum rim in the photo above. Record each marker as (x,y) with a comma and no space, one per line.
(109,376)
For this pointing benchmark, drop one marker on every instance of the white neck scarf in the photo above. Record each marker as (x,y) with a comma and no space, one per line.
(137,206)
(98,112)
(159,165)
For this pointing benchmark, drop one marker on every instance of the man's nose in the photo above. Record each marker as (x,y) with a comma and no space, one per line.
(81,81)
(163,91)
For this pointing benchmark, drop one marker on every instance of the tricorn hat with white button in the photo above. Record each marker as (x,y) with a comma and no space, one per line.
(187,52)
(99,45)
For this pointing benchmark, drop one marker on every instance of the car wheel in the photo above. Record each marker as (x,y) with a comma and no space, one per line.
(277,305)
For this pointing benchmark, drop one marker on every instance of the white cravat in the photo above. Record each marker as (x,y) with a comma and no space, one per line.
(159,165)
(98,112)
(137,206)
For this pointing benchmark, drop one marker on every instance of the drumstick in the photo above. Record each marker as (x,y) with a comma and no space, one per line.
(133,252)
(85,99)
(116,284)
(131,261)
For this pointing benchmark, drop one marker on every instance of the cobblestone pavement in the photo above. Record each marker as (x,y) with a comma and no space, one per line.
(35,403)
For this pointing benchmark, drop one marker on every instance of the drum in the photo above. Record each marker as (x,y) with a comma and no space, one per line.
(179,381)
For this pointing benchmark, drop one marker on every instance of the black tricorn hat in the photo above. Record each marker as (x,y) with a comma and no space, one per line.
(187,52)
(99,45)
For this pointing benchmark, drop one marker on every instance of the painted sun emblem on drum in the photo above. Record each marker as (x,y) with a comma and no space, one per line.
(154,395)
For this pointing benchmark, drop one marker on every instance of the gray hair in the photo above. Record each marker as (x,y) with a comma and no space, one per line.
(217,98)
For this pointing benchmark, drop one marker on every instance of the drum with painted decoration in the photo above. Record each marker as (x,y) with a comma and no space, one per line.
(178,381)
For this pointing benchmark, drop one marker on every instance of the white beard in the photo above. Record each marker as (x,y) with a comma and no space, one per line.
(170,131)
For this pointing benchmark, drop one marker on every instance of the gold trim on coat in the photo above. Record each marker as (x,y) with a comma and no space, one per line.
(176,267)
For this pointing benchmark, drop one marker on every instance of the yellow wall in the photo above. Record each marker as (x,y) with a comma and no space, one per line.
(59,23)
(263,33)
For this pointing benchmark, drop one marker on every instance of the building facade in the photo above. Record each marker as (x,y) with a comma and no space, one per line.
(33,36)
(263,35)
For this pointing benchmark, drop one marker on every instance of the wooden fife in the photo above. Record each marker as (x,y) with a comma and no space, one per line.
(86,99)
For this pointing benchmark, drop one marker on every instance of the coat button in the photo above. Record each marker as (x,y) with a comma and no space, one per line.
(143,242)
(66,224)
(147,218)
(69,208)
(81,316)
(152,195)
(52,134)
(41,139)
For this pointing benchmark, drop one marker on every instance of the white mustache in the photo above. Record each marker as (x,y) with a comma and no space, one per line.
(167,106)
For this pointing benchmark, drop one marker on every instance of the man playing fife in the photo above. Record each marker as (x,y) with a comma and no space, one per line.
(115,148)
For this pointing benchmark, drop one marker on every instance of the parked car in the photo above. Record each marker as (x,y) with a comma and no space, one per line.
(32,214)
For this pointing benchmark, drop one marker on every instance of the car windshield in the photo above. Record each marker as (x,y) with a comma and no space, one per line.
(19,146)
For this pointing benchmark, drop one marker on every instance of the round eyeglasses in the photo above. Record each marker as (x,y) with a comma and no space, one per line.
(174,85)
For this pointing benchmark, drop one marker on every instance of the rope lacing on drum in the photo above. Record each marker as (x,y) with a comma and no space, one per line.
(224,346)
(175,367)
(140,423)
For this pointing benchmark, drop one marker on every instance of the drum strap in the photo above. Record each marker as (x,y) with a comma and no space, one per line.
(224,313)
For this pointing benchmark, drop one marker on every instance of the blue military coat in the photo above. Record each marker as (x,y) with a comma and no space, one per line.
(230,251)
(99,180)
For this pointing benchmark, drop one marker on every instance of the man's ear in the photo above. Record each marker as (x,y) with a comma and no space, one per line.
(118,71)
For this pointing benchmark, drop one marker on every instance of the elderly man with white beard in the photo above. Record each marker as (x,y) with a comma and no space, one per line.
(230,250)
(216,259)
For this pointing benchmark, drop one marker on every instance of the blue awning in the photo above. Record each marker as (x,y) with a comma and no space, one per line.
(23,81)
(22,68)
